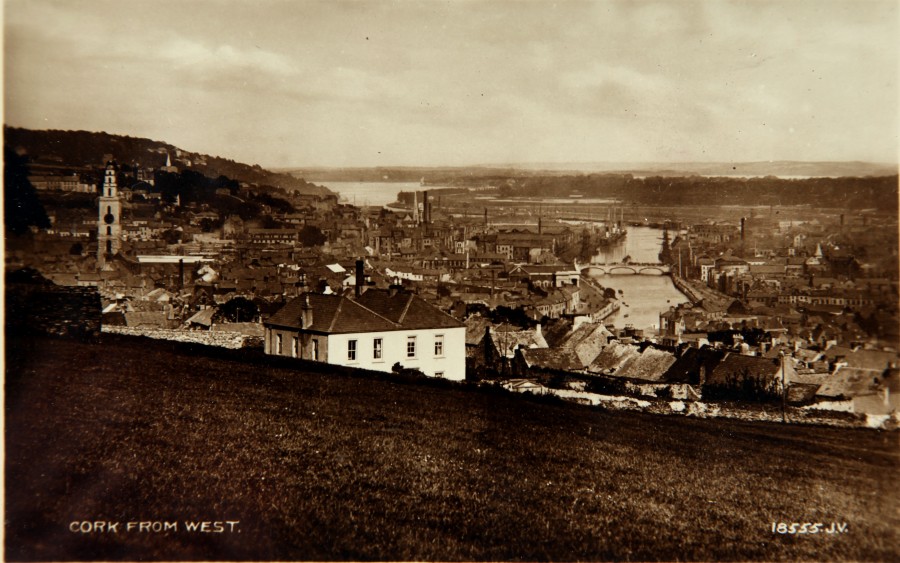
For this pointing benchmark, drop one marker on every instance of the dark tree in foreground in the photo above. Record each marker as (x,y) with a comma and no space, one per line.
(21,207)
(237,310)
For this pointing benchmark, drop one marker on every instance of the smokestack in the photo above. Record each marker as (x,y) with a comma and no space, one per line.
(425,207)
(743,220)
(360,277)
(180,273)
(540,226)
(842,220)
(485,217)
(493,283)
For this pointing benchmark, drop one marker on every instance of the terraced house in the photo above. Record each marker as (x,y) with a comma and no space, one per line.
(374,330)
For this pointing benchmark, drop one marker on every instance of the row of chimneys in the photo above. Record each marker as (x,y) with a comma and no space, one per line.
(306,314)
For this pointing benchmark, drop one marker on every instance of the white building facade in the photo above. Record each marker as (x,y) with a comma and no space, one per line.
(375,331)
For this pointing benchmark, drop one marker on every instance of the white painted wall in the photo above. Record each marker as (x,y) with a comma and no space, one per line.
(452,364)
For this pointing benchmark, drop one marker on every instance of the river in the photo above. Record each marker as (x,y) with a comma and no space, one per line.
(376,194)
(643,298)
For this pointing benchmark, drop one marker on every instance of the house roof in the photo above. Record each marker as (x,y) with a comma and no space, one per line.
(587,342)
(146,318)
(475,326)
(737,367)
(686,368)
(380,311)
(612,357)
(552,358)
(871,359)
(507,341)
(847,382)
(203,316)
(650,365)
(406,309)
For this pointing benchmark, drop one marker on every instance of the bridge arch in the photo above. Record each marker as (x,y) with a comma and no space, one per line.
(622,269)
(653,270)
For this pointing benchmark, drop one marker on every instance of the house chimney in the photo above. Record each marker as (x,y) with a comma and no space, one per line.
(360,277)
(306,314)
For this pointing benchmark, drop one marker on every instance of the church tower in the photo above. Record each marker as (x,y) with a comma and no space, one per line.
(109,225)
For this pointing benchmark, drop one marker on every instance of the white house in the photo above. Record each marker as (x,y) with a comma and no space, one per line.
(373,331)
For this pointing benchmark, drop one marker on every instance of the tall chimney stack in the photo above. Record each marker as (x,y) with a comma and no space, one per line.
(743,220)
(360,277)
(425,210)
(306,314)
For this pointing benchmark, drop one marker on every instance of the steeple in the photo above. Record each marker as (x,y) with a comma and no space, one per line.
(109,223)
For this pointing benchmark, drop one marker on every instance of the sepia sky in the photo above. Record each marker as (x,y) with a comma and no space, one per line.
(305,83)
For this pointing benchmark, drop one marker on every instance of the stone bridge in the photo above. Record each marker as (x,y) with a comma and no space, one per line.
(627,268)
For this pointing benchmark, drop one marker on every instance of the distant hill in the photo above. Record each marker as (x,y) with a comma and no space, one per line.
(781,168)
(395,173)
(84,149)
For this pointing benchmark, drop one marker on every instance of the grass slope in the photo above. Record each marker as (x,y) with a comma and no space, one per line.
(324,466)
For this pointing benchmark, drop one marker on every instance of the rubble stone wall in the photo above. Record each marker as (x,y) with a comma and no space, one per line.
(221,339)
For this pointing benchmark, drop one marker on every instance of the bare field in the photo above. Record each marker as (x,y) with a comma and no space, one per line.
(320,466)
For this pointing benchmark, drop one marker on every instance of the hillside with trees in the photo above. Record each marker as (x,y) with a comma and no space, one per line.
(85,150)
(844,192)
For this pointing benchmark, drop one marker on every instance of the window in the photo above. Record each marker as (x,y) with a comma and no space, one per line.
(351,350)
(278,344)
(376,348)
(410,346)
(315,354)
(295,346)
(439,345)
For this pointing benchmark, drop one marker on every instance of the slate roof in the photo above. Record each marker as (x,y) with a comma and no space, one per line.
(871,359)
(506,341)
(475,327)
(686,368)
(737,367)
(406,309)
(587,342)
(650,365)
(203,317)
(146,319)
(847,382)
(551,358)
(612,357)
(336,314)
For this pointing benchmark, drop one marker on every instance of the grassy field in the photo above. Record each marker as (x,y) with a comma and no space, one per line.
(318,466)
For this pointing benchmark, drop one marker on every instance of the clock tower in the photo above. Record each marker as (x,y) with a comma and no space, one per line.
(109,225)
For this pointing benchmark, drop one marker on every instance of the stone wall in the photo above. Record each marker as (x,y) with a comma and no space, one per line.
(221,339)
